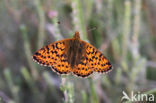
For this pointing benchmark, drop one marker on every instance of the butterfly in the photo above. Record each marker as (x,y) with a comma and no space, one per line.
(73,55)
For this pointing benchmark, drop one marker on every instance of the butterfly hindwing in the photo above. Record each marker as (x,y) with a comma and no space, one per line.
(53,55)
(82,69)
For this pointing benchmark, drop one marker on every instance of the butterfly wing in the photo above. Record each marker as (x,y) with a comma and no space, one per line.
(82,70)
(92,60)
(53,55)
(96,59)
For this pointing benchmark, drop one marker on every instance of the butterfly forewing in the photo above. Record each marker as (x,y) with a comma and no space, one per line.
(96,60)
(54,56)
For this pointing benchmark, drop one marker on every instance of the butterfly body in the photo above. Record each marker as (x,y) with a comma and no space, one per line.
(75,50)
(73,55)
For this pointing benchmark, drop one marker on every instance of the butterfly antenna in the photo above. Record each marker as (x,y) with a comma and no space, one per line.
(94,28)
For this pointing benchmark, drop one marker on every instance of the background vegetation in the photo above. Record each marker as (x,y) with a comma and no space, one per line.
(125,32)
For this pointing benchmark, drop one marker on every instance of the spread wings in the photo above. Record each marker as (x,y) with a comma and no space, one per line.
(53,55)
(92,60)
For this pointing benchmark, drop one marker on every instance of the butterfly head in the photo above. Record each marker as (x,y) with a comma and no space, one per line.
(77,36)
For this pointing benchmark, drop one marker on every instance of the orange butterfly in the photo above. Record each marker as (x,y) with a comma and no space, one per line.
(73,55)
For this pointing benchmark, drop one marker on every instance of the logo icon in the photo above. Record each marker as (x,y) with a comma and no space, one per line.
(125,96)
